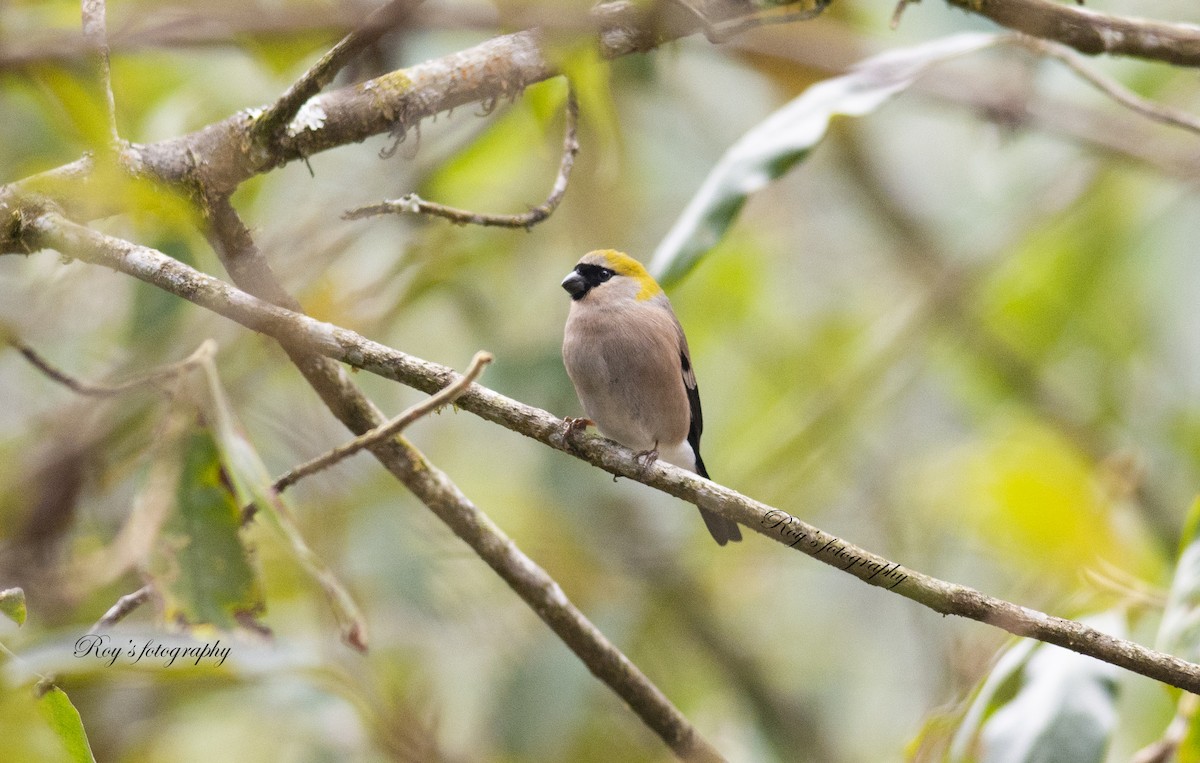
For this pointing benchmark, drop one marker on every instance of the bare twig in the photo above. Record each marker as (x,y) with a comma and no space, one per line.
(443,397)
(412,203)
(746,16)
(122,608)
(1111,87)
(95,36)
(782,14)
(293,329)
(92,389)
(1093,32)
(273,122)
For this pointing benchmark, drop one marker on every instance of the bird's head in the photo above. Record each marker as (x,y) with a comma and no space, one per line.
(610,273)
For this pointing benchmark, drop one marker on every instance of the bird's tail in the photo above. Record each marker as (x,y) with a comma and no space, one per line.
(723,530)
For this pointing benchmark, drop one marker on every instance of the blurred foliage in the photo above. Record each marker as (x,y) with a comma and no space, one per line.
(963,336)
(200,567)
(12,605)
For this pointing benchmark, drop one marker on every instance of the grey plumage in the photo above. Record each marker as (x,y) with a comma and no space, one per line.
(628,359)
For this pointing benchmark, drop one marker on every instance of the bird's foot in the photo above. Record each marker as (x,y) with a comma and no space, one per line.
(646,457)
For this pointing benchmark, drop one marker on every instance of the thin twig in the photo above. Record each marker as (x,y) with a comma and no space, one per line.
(1093,32)
(1110,87)
(95,36)
(724,29)
(442,397)
(122,608)
(93,389)
(784,14)
(54,232)
(413,204)
(271,125)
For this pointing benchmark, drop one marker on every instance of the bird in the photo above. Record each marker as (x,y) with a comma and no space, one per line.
(627,357)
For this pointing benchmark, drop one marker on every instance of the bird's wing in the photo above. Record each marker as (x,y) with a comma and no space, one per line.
(696,425)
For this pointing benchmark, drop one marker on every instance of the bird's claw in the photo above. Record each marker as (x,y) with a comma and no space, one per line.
(646,457)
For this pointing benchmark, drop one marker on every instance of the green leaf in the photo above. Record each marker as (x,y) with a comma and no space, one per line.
(200,565)
(252,484)
(1179,632)
(12,605)
(64,720)
(785,138)
(1043,703)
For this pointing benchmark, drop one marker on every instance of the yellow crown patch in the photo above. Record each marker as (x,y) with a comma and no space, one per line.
(624,265)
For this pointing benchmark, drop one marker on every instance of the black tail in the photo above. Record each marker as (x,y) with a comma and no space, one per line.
(723,530)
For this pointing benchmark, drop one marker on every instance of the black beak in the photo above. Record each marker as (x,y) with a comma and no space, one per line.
(575,285)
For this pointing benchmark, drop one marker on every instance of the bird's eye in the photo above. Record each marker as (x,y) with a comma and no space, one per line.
(605,274)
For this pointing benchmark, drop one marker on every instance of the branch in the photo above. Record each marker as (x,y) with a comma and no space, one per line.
(415,204)
(95,36)
(1091,32)
(272,124)
(290,328)
(445,396)
(238,251)
(796,10)
(122,608)
(92,389)
(1111,87)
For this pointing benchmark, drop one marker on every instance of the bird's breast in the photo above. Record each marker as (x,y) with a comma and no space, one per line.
(626,371)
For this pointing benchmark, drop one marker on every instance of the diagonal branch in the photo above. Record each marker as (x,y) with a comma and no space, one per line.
(1093,32)
(294,329)
(413,203)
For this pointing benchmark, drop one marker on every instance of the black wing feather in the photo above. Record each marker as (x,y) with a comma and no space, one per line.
(696,428)
(723,530)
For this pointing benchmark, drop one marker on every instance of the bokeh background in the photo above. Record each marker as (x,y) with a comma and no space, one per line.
(962,333)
